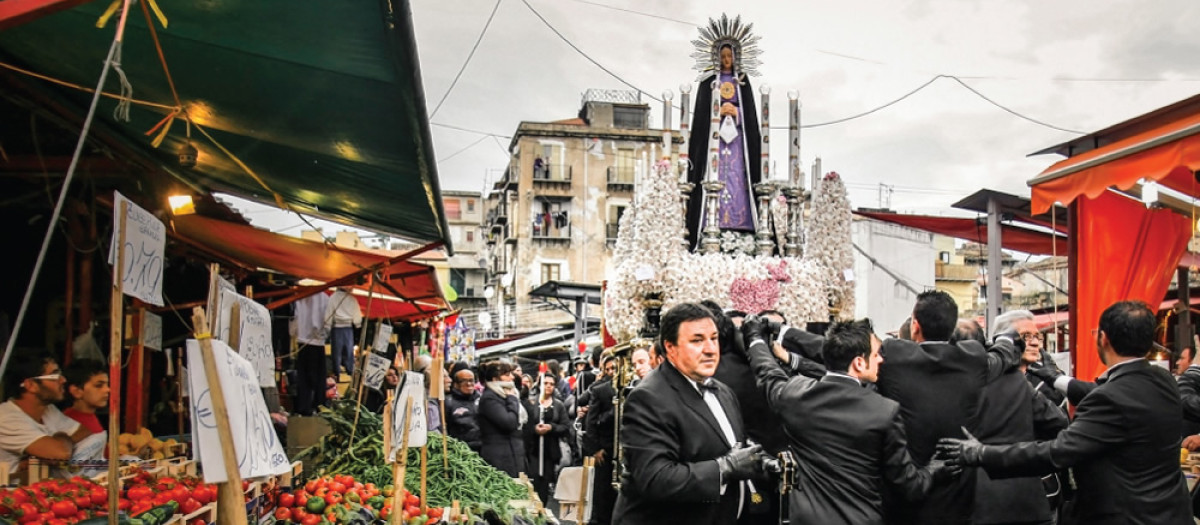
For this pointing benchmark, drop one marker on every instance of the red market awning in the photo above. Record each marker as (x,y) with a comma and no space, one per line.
(1013,236)
(411,289)
(1168,153)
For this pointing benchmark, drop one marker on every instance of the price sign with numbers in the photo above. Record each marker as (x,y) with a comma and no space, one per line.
(145,242)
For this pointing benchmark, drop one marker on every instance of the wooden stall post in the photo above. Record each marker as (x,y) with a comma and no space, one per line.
(231,506)
(398,470)
(116,321)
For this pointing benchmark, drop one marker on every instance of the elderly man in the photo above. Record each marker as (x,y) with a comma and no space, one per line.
(682,434)
(1022,322)
(1123,443)
(1012,411)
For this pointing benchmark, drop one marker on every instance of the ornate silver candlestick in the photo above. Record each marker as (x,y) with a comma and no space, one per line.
(712,204)
(795,213)
(764,190)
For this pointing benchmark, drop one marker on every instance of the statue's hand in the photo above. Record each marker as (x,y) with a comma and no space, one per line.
(729,110)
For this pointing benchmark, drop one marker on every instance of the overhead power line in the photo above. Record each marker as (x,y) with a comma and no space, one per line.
(468,60)
(585,55)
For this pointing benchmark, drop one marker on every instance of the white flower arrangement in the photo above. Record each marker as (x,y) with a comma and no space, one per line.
(651,259)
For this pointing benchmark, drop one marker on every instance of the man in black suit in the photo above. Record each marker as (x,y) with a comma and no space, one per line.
(849,441)
(598,440)
(1011,411)
(939,386)
(1123,443)
(682,434)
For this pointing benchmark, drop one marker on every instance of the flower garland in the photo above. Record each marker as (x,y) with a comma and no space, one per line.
(650,258)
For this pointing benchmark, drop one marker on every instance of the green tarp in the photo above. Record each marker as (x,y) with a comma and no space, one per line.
(321,99)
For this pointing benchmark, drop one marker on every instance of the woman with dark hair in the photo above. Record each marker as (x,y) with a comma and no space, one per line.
(547,425)
(501,419)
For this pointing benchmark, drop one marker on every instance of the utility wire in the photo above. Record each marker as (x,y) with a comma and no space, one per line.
(468,130)
(468,60)
(1014,113)
(585,55)
(641,13)
(870,111)
(455,154)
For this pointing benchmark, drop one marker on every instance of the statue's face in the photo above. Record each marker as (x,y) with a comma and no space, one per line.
(726,58)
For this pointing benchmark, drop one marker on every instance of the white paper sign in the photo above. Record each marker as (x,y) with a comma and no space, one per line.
(412,386)
(254,339)
(1063,361)
(383,335)
(217,284)
(145,242)
(152,330)
(377,367)
(257,448)
(644,272)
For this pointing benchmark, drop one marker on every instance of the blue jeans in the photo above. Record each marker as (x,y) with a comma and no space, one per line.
(342,339)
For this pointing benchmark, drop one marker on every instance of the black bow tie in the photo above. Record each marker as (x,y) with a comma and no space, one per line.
(708,384)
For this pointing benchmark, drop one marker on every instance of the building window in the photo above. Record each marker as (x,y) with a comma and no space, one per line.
(453,209)
(470,205)
(629,117)
(470,236)
(550,272)
(944,257)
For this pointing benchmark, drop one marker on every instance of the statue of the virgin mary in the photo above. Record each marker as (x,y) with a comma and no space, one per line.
(725,53)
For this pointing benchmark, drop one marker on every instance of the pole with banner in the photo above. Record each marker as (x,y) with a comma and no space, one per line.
(231,506)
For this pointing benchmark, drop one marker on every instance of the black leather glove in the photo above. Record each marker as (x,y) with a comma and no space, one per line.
(752,329)
(941,471)
(1045,373)
(740,463)
(1013,338)
(960,452)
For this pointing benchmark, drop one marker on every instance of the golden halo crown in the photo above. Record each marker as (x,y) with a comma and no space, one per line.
(716,35)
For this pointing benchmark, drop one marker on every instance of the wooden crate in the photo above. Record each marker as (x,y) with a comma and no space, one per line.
(208,513)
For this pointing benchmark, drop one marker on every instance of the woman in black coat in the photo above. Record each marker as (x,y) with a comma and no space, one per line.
(548,423)
(501,418)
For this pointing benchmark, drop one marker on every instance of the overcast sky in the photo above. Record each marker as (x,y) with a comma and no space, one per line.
(1076,65)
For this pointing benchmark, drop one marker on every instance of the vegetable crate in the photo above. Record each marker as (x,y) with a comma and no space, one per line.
(272,486)
(208,513)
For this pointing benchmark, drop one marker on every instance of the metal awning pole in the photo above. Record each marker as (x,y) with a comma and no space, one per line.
(995,292)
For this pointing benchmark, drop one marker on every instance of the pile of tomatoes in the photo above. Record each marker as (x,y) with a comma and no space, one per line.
(143,492)
(54,502)
(340,499)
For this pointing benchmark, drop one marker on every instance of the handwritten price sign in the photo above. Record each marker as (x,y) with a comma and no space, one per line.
(259,452)
(377,367)
(383,335)
(412,386)
(254,328)
(145,242)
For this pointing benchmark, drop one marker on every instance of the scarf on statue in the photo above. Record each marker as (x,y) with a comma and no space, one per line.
(505,389)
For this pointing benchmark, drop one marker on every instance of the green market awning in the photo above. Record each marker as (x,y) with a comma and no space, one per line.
(323,102)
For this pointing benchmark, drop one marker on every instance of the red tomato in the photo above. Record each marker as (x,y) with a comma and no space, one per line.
(338,487)
(64,509)
(299,513)
(82,500)
(189,506)
(301,499)
(25,510)
(333,498)
(435,512)
(311,486)
(283,514)
(58,521)
(431,521)
(286,499)
(99,497)
(141,506)
(410,499)
(202,495)
(412,510)
(311,519)
(180,493)
(138,493)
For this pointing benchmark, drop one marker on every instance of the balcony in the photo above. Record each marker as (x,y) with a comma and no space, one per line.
(551,174)
(620,178)
(551,234)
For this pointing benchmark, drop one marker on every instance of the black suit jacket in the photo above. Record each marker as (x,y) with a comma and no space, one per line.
(939,387)
(1189,396)
(1012,411)
(598,422)
(848,440)
(671,442)
(1123,446)
(762,425)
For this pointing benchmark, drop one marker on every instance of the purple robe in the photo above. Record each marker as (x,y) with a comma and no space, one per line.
(736,209)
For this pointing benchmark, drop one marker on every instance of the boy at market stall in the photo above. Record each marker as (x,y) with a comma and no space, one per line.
(30,424)
(87,382)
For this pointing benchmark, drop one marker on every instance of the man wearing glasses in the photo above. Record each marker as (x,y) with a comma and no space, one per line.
(30,424)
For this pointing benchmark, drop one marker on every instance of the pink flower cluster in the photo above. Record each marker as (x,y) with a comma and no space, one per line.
(779,272)
(753,295)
